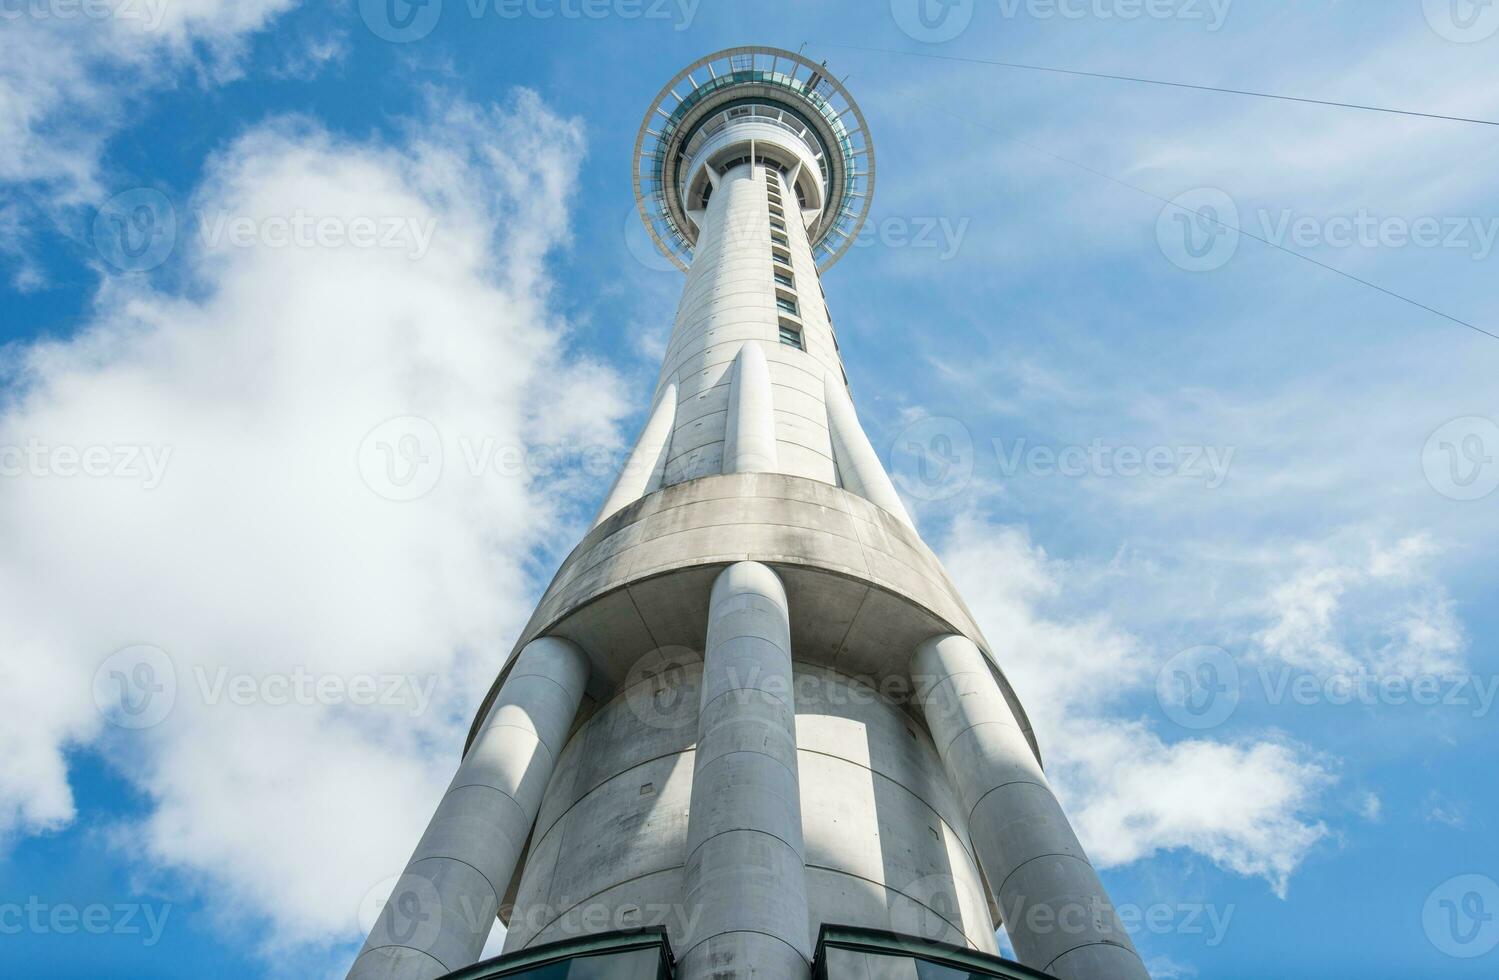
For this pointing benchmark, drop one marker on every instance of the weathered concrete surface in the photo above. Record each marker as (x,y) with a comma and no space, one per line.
(444,905)
(744,883)
(1058,915)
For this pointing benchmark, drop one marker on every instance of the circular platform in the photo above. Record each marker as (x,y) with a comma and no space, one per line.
(800,96)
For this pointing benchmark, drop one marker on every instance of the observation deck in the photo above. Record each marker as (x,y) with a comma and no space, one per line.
(776,105)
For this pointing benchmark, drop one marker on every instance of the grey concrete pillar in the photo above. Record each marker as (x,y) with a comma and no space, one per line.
(643,471)
(750,432)
(745,879)
(858,464)
(1055,909)
(444,905)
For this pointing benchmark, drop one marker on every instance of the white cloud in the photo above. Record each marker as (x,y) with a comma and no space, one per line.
(1246,805)
(263,552)
(1355,604)
(70,76)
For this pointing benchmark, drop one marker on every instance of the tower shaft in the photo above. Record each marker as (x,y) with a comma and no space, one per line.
(751,712)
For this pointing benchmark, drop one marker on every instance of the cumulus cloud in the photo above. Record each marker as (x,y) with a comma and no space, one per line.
(70,74)
(1354,603)
(1247,805)
(277,552)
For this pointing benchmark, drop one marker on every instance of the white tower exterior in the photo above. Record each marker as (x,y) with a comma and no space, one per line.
(751,709)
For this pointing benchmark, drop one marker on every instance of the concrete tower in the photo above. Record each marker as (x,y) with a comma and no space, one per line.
(751,729)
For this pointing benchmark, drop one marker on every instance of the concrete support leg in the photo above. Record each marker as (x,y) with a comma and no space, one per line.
(643,470)
(1055,908)
(745,880)
(442,909)
(858,464)
(750,432)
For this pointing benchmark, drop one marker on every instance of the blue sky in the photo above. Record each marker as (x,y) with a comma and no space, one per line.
(1221,649)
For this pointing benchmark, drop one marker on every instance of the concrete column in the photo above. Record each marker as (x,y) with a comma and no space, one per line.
(750,436)
(443,907)
(1055,909)
(745,879)
(643,471)
(858,464)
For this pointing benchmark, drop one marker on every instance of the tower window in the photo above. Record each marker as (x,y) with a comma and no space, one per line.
(778,224)
(785,280)
(789,305)
(791,336)
(779,239)
(781,255)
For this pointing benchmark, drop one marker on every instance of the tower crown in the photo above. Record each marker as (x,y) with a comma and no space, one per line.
(774,105)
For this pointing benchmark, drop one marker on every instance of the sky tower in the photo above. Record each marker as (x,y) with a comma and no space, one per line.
(751,730)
